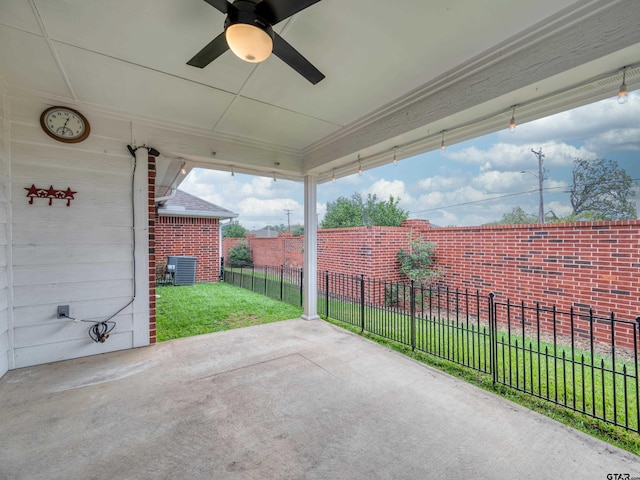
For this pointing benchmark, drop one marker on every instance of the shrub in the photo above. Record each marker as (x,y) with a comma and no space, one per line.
(418,263)
(240,255)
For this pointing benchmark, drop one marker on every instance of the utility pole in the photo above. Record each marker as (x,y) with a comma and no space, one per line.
(540,183)
(288,212)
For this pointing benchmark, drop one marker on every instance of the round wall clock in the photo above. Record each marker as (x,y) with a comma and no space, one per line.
(65,124)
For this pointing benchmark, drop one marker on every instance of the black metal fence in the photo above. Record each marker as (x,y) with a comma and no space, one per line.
(579,360)
(280,283)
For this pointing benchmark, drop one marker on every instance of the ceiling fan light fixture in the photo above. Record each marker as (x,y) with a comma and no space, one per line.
(249,42)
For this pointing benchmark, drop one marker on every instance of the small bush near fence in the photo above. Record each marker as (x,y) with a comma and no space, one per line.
(240,255)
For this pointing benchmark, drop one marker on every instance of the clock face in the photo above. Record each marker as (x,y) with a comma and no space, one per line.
(65,124)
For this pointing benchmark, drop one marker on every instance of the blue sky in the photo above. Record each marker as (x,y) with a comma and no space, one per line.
(469,183)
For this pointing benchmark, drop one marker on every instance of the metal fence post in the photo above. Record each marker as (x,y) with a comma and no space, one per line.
(635,354)
(281,282)
(412,306)
(362,302)
(493,339)
(222,269)
(326,287)
(301,283)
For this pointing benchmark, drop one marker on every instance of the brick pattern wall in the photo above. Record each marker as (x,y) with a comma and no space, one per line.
(282,250)
(580,265)
(193,237)
(152,251)
(364,250)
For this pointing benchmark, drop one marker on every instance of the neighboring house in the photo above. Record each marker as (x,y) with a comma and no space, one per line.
(188,225)
(264,233)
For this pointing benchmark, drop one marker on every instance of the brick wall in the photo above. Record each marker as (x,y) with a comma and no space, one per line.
(576,264)
(152,251)
(193,237)
(285,249)
(364,250)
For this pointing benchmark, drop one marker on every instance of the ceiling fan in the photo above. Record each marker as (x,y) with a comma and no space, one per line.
(249,34)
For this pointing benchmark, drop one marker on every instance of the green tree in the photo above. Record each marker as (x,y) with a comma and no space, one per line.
(233,230)
(601,190)
(297,230)
(516,216)
(240,255)
(356,211)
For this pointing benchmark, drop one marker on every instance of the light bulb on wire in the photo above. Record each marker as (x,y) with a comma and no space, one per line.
(623,93)
(442,144)
(512,122)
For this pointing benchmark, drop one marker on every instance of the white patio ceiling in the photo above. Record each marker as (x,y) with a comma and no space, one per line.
(397,73)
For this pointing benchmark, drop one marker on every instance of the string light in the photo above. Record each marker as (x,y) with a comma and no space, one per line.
(512,123)
(333,175)
(233,174)
(183,169)
(623,94)
(274,177)
(359,166)
(395,157)
(442,144)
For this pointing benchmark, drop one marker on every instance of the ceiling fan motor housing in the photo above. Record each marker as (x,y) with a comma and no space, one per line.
(244,12)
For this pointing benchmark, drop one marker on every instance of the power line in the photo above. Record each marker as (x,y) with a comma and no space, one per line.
(497,197)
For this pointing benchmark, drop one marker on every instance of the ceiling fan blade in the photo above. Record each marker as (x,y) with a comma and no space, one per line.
(275,11)
(221,5)
(208,54)
(295,60)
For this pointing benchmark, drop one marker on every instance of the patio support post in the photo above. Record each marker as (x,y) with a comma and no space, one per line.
(310,249)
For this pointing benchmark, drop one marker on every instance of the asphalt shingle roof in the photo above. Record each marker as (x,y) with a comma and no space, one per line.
(185,204)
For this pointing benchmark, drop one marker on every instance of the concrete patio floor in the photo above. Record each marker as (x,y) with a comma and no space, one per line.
(288,400)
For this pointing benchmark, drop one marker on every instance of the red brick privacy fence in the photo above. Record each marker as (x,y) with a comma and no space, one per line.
(580,265)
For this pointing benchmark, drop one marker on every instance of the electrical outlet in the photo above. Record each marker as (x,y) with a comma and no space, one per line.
(63,311)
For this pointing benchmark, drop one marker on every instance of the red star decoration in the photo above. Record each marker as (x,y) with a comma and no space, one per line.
(32,191)
(69,194)
(50,193)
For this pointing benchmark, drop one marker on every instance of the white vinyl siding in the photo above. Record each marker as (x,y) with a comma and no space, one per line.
(80,255)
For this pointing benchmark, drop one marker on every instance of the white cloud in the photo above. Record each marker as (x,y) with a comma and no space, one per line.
(440,182)
(383,188)
(591,124)
(259,201)
(506,156)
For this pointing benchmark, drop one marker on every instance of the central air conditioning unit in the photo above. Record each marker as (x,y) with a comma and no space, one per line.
(182,269)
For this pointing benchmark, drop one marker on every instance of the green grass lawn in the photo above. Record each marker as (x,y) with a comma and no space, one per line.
(212,307)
